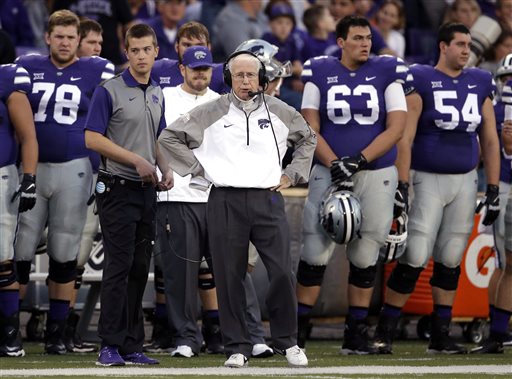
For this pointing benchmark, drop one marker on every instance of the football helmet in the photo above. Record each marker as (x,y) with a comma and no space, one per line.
(396,242)
(340,215)
(505,66)
(266,51)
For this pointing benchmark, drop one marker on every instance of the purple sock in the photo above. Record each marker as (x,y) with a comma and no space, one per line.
(160,310)
(391,311)
(304,309)
(358,313)
(9,302)
(212,313)
(500,320)
(443,311)
(491,312)
(58,309)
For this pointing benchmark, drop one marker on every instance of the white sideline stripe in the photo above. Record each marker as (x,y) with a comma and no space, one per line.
(250,371)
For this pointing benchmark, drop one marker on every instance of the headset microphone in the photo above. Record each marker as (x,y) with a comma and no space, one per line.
(252,94)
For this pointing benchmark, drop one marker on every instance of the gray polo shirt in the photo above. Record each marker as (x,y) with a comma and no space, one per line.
(130,116)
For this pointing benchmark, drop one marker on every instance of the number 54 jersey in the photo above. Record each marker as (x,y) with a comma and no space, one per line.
(60,100)
(446,137)
(351,104)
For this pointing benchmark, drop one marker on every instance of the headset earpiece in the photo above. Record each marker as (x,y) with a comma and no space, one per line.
(262,72)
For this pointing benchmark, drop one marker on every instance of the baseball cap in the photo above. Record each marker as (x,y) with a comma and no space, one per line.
(281,10)
(197,56)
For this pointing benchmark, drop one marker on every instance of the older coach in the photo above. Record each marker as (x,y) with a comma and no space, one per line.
(237,142)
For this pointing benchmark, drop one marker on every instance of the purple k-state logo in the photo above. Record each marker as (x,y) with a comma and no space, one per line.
(263,123)
(154,98)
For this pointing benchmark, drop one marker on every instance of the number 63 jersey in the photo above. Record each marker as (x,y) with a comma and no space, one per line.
(446,137)
(60,100)
(351,104)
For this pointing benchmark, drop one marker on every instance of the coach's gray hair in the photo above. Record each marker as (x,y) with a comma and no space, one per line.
(247,56)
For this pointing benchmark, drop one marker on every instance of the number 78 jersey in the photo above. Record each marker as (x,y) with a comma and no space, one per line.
(446,138)
(60,100)
(351,104)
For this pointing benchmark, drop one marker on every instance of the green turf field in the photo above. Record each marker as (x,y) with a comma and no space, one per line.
(409,360)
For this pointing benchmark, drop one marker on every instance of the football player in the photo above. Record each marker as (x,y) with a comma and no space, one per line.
(500,301)
(16,126)
(91,41)
(450,118)
(61,91)
(357,107)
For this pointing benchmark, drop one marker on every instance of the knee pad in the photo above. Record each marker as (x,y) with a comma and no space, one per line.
(62,272)
(206,280)
(362,277)
(444,277)
(158,281)
(403,278)
(309,275)
(23,271)
(7,274)
(78,279)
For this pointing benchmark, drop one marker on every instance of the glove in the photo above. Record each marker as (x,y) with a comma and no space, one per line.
(347,185)
(26,192)
(401,199)
(344,168)
(492,202)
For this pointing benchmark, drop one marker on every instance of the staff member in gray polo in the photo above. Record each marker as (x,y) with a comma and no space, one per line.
(125,117)
(237,143)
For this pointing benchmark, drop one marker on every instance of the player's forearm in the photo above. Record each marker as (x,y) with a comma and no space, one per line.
(491,157)
(388,138)
(323,152)
(161,162)
(506,138)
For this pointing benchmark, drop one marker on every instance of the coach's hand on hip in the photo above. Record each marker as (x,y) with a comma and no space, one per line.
(285,182)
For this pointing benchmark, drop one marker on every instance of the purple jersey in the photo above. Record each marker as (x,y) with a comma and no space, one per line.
(12,78)
(446,139)
(352,105)
(166,72)
(60,99)
(504,101)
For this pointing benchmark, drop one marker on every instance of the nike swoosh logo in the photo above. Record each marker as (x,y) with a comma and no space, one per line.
(368,78)
(470,86)
(227,126)
(132,98)
(74,79)
(317,178)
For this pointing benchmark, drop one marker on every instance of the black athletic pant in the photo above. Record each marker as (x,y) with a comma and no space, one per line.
(127,218)
(235,217)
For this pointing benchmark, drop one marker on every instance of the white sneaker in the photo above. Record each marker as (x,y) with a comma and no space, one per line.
(183,351)
(261,350)
(236,361)
(296,357)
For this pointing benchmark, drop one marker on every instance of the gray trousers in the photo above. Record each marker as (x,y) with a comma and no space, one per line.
(256,330)
(235,217)
(181,249)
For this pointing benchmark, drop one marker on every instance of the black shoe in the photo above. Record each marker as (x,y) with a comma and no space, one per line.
(161,338)
(355,340)
(10,337)
(491,345)
(383,340)
(508,339)
(54,338)
(72,340)
(304,327)
(440,340)
(212,335)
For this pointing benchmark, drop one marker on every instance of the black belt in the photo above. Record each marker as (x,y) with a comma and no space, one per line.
(134,184)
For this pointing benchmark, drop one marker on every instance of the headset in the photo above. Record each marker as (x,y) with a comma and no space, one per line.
(262,72)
